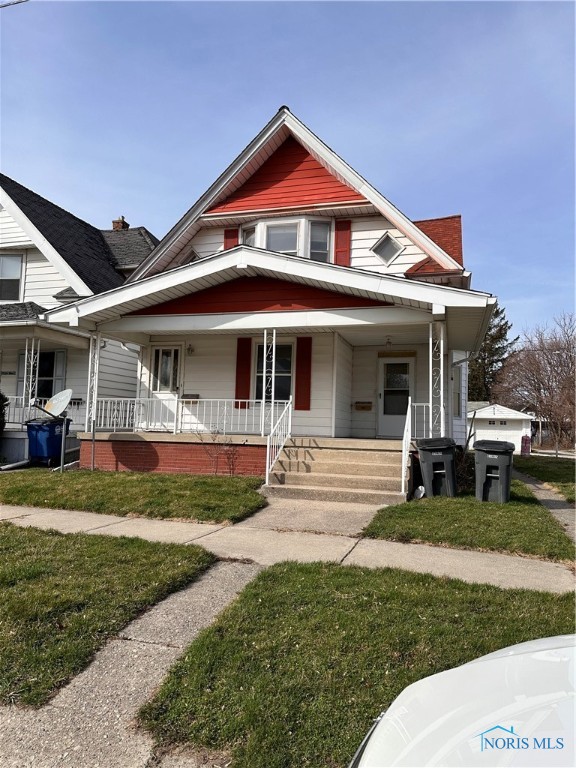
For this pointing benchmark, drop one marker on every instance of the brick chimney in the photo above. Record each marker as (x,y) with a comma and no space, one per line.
(120,223)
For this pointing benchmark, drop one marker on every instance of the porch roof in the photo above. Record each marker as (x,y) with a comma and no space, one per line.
(467,312)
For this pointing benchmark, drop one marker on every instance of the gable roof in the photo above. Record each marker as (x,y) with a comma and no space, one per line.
(87,257)
(493,410)
(227,190)
(78,243)
(129,247)
(447,233)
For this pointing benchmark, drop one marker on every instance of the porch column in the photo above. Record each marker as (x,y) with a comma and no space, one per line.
(30,387)
(92,388)
(268,378)
(436,425)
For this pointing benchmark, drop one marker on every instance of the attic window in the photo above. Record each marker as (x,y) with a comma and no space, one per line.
(10,272)
(387,248)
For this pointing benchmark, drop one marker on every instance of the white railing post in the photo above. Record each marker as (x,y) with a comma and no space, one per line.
(406,439)
(276,440)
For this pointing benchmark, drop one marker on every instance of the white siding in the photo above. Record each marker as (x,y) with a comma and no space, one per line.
(366,231)
(365,385)
(42,280)
(117,375)
(210,372)
(343,387)
(459,423)
(208,241)
(11,234)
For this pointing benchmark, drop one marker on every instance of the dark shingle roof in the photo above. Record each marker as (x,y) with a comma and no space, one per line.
(80,244)
(27,310)
(129,247)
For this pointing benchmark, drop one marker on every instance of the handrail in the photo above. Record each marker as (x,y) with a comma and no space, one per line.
(277,438)
(406,439)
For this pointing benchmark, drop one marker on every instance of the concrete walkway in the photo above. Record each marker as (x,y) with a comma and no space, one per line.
(553,501)
(90,723)
(258,540)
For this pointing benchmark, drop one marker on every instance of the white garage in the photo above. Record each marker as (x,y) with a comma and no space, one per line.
(496,422)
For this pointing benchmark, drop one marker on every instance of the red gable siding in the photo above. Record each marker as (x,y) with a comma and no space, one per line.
(290,177)
(257,294)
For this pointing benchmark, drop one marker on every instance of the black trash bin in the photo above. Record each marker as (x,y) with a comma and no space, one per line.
(493,465)
(437,465)
(45,438)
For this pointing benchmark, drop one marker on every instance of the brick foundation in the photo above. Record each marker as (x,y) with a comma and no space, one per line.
(192,458)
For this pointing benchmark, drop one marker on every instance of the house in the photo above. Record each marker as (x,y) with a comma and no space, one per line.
(292,308)
(490,421)
(50,258)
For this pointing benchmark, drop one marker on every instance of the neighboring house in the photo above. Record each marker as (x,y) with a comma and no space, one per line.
(291,287)
(50,258)
(496,422)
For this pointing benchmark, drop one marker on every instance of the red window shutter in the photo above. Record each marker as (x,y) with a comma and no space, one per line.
(243,371)
(303,373)
(342,242)
(230,238)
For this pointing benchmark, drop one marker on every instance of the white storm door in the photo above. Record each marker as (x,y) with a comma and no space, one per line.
(165,372)
(394,389)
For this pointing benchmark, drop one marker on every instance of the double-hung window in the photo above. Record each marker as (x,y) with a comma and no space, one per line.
(282,373)
(10,273)
(307,238)
(51,373)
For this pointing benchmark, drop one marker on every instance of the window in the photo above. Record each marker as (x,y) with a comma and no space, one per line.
(307,238)
(165,362)
(387,248)
(282,377)
(502,423)
(491,423)
(10,271)
(51,373)
(320,241)
(249,236)
(282,238)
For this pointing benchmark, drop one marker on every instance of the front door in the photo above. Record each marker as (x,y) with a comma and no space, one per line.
(160,411)
(395,387)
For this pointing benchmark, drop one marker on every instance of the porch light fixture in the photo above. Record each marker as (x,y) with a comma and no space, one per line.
(388,342)
(189,350)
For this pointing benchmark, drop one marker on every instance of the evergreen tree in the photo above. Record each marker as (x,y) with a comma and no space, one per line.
(493,352)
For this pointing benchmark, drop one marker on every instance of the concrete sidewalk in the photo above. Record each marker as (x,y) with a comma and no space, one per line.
(90,722)
(553,501)
(257,540)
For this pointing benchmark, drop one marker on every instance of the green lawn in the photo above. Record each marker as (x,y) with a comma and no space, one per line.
(293,672)
(558,472)
(192,497)
(521,526)
(62,596)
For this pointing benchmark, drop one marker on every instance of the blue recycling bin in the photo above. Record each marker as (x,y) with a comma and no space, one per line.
(45,438)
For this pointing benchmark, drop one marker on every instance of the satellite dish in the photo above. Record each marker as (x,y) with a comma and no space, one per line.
(57,403)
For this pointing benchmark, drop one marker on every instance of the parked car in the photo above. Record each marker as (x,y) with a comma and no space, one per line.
(514,707)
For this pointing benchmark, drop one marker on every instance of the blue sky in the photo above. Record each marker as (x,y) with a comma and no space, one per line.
(134,108)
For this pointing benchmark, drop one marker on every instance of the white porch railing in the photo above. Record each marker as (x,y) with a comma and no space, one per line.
(172,414)
(406,440)
(280,432)
(18,412)
(420,419)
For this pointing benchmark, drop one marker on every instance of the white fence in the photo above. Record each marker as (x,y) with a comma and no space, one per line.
(171,414)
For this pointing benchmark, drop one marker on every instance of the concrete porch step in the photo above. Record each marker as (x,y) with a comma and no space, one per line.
(344,443)
(332,454)
(338,468)
(349,481)
(322,493)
